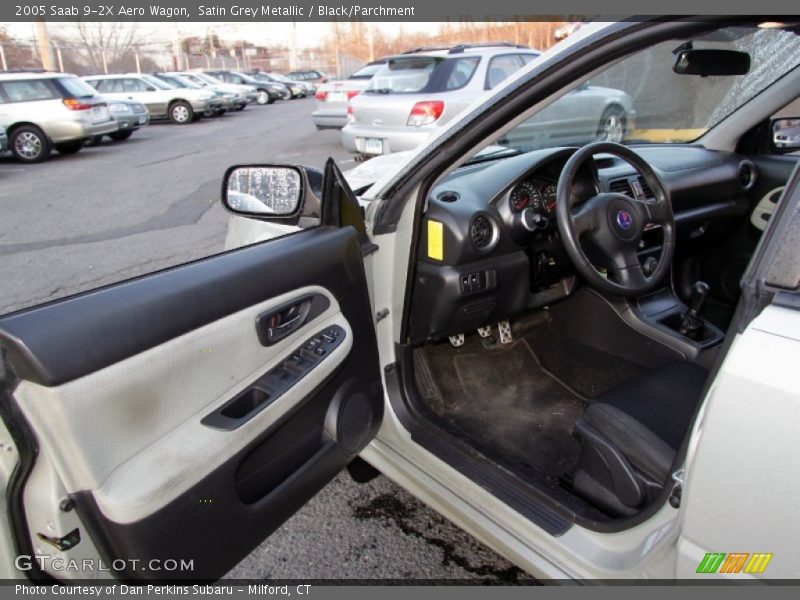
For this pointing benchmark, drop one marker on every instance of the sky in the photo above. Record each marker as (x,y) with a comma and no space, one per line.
(307,34)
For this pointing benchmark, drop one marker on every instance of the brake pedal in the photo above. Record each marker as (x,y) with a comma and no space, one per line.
(485,332)
(504,328)
(456,341)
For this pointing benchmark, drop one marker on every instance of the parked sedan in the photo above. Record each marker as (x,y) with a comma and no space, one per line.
(587,113)
(332,97)
(266,92)
(42,111)
(244,94)
(309,75)
(786,133)
(129,116)
(296,88)
(223,101)
(180,105)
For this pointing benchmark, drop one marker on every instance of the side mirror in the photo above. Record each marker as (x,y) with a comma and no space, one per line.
(786,134)
(281,193)
(710,62)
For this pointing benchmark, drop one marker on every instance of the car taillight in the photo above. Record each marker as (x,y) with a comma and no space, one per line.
(425,113)
(73,104)
(350,116)
(321,95)
(352,94)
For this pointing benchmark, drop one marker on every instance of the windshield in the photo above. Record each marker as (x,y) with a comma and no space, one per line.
(207,78)
(158,82)
(283,78)
(642,100)
(180,81)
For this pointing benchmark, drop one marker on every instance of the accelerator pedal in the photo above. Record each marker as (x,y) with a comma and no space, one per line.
(504,328)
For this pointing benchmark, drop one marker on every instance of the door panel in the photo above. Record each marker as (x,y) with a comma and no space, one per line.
(125,389)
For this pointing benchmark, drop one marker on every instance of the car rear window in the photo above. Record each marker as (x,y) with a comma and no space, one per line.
(76,87)
(423,74)
(29,90)
(366,72)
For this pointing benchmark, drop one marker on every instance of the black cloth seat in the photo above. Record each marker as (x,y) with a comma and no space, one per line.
(630,436)
(663,400)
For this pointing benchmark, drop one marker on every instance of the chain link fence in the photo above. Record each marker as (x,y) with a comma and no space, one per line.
(82,59)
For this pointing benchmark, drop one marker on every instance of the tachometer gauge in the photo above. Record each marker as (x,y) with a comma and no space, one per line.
(526,195)
(549,197)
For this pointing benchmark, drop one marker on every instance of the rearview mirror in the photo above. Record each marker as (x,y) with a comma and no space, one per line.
(710,62)
(263,191)
(786,134)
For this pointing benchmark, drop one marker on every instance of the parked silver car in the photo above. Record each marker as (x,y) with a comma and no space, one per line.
(586,114)
(222,102)
(266,91)
(297,89)
(415,92)
(786,133)
(129,115)
(332,97)
(180,105)
(42,111)
(244,94)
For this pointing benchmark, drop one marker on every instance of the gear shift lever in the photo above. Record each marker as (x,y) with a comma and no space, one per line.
(692,322)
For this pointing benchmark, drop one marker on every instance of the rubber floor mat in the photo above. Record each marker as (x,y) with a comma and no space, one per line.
(515,411)
(586,370)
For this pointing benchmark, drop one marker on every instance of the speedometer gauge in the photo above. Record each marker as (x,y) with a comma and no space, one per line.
(525,195)
(549,197)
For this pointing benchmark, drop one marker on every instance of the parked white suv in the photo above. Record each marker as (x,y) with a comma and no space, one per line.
(415,92)
(180,105)
(42,111)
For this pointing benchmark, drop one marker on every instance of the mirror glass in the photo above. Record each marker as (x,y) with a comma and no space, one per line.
(786,133)
(711,62)
(263,190)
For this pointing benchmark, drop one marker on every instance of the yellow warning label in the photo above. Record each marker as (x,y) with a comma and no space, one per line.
(435,240)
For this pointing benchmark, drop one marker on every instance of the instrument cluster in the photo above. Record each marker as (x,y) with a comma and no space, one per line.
(537,194)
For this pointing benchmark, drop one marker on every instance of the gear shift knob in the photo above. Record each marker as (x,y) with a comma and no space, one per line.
(692,323)
(698,297)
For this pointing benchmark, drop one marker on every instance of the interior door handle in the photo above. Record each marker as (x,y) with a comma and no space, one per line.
(281,321)
(286,321)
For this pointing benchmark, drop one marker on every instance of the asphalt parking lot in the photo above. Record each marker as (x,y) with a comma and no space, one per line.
(123,209)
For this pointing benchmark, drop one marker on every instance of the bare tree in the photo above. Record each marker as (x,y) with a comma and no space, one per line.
(106,44)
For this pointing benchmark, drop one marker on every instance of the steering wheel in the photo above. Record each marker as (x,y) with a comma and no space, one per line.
(614,223)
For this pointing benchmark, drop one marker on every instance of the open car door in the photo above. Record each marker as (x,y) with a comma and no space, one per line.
(168,424)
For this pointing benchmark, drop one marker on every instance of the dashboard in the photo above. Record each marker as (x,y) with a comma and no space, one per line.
(490,248)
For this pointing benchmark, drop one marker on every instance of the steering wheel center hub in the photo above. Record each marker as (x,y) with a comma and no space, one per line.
(623,220)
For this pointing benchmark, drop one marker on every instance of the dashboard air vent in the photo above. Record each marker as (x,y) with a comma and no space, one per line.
(482,233)
(623,186)
(648,193)
(747,174)
(620,186)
